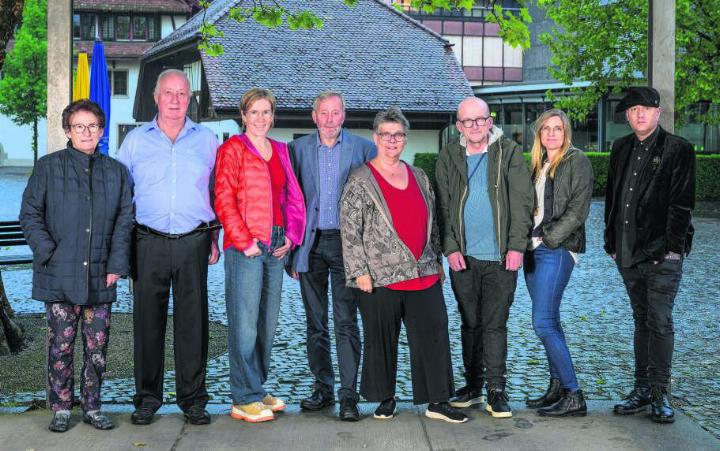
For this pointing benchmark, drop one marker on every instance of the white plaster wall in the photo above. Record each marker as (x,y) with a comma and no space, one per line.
(121,107)
(166,24)
(419,141)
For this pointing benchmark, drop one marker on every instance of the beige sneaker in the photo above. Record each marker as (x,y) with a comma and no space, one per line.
(255,412)
(273,403)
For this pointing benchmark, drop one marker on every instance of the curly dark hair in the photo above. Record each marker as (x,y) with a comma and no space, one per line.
(82,105)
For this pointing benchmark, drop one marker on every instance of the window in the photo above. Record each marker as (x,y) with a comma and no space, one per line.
(107,28)
(83,26)
(76,26)
(118,80)
(123,130)
(122,28)
(129,28)
(139,28)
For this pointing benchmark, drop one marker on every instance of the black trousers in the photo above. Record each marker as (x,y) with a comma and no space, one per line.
(426,324)
(325,261)
(162,264)
(484,293)
(652,289)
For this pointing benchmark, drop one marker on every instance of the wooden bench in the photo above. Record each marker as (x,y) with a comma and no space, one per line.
(10,236)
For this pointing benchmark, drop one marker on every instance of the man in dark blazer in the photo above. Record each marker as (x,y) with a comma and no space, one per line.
(648,206)
(322,162)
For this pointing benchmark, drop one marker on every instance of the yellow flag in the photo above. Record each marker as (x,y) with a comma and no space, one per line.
(81,87)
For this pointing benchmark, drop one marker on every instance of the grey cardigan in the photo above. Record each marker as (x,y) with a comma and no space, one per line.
(369,240)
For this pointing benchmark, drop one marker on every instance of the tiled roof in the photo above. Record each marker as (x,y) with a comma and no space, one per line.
(115,49)
(374,54)
(144,6)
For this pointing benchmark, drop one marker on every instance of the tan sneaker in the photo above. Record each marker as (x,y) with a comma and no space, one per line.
(273,403)
(255,412)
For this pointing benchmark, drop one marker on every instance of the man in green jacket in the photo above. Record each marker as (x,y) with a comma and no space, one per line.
(484,203)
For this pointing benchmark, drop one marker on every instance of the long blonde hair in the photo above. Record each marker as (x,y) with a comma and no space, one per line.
(538,151)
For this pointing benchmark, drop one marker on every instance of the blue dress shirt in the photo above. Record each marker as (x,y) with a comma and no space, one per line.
(329,165)
(172,179)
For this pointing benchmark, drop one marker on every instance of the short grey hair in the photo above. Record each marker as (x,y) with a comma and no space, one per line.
(326,95)
(167,72)
(392,114)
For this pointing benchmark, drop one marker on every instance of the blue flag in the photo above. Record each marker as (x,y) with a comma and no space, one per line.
(100,90)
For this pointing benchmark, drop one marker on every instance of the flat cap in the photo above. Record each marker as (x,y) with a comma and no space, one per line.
(643,95)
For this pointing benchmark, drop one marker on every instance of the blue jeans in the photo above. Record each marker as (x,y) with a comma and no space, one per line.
(253,286)
(547,272)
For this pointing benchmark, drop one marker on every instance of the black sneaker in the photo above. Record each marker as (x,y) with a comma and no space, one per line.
(466,397)
(497,403)
(444,411)
(386,409)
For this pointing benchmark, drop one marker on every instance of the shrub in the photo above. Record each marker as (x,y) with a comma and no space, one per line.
(708,172)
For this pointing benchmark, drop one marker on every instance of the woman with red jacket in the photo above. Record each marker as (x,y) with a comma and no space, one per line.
(261,207)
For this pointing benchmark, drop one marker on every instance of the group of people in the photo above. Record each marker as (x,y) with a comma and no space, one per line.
(345,215)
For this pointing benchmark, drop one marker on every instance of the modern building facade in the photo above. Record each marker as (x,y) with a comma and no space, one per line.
(515,83)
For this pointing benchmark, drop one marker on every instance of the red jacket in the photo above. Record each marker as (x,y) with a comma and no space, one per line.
(243,196)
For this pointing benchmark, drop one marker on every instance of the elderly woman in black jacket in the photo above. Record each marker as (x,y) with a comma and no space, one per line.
(77,215)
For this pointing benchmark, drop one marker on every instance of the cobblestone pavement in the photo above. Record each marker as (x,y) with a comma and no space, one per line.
(596,319)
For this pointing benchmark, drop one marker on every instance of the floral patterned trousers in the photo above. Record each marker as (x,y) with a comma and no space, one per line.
(63,320)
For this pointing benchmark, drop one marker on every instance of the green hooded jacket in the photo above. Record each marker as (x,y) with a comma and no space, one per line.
(509,185)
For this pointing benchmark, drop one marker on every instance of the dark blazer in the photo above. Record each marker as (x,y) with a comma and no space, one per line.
(355,150)
(77,215)
(666,197)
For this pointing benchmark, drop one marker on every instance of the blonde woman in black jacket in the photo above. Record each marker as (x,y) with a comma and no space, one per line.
(563,181)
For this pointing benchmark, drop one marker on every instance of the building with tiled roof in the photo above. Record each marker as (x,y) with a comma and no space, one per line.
(374,54)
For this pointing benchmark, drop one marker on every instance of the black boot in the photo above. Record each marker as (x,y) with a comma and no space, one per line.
(662,411)
(571,404)
(636,401)
(551,396)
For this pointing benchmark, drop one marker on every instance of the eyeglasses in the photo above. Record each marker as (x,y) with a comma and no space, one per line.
(479,121)
(390,137)
(80,128)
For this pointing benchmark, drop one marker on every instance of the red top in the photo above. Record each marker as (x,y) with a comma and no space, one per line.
(277,183)
(411,228)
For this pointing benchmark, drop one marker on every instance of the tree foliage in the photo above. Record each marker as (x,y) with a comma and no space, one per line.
(23,95)
(9,18)
(272,13)
(606,43)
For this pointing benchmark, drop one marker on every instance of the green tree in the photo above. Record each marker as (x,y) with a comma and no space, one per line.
(513,27)
(23,95)
(10,17)
(606,43)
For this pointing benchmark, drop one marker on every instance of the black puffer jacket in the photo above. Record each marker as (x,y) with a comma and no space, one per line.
(77,217)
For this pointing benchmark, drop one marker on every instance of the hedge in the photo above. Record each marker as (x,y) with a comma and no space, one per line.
(708,172)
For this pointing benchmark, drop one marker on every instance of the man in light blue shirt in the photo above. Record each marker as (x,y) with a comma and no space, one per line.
(171,161)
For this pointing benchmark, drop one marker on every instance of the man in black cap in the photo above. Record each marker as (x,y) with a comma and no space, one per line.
(648,205)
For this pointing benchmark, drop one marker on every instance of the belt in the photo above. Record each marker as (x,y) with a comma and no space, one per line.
(203,227)
(327,232)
